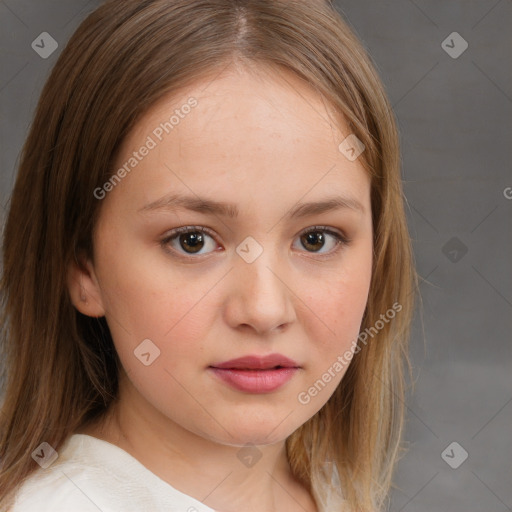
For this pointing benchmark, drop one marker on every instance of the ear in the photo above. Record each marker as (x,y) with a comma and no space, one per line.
(84,289)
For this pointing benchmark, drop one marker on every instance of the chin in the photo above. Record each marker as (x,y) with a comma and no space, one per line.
(251,431)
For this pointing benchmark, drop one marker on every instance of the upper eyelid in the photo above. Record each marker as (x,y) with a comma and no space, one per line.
(211,232)
(343,238)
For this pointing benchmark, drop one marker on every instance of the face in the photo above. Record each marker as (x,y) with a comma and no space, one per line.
(209,247)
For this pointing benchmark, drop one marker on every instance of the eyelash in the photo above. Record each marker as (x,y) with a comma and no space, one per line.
(341,239)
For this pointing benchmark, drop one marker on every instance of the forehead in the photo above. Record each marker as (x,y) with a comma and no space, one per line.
(266,128)
(267,100)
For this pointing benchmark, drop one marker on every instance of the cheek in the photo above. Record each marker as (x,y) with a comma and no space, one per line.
(146,295)
(336,307)
(334,319)
(172,313)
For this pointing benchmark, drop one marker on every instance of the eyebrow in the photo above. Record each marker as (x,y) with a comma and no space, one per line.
(212,207)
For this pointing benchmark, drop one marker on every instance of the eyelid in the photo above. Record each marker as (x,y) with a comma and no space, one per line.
(190,229)
(331,231)
(342,239)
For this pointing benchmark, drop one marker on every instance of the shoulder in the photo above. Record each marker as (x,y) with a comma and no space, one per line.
(55,490)
(91,475)
(70,482)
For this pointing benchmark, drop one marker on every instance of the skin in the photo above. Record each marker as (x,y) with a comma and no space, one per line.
(262,141)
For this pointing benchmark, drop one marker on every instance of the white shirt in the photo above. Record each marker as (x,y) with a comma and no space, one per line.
(92,475)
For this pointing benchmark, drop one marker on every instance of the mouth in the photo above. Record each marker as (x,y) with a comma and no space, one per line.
(254,369)
(255,374)
(269,362)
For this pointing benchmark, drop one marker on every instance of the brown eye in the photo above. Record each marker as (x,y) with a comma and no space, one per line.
(313,240)
(316,238)
(189,240)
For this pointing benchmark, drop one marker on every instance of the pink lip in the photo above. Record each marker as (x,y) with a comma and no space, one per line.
(256,374)
(258,362)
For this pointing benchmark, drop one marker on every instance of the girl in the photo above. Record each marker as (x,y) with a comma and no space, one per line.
(208,280)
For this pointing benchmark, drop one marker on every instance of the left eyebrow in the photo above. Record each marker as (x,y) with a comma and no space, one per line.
(212,207)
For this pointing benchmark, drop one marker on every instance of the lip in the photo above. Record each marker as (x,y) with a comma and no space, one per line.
(258,362)
(256,374)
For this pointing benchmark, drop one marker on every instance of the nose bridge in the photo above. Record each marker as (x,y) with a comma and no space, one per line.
(258,263)
(261,294)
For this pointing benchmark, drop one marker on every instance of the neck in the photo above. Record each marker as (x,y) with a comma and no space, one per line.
(225,478)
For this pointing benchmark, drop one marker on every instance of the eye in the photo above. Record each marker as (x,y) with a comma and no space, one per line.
(192,239)
(315,238)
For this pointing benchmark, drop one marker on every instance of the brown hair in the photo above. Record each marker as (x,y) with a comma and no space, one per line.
(61,366)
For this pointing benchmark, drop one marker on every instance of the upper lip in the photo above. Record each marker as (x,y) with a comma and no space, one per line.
(258,362)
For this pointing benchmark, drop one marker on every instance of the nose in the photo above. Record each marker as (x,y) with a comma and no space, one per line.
(260,296)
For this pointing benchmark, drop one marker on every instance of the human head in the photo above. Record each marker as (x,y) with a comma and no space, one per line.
(109,75)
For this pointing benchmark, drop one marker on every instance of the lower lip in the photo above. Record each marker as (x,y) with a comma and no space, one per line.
(255,381)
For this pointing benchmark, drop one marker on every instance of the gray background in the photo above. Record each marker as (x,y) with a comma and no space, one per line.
(455,119)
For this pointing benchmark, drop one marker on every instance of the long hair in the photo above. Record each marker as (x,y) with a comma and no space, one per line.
(61,368)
